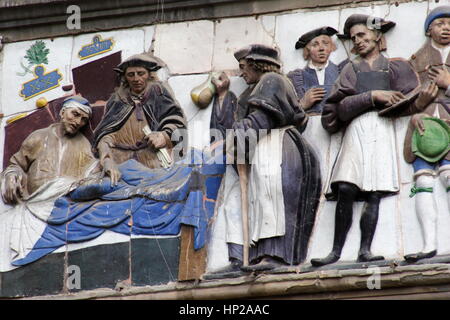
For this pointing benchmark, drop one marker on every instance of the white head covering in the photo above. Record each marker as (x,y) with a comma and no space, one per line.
(77,102)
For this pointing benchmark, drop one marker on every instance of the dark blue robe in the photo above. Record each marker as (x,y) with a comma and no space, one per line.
(272,104)
(306,78)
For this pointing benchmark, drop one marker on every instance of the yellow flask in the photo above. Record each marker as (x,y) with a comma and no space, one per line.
(203,94)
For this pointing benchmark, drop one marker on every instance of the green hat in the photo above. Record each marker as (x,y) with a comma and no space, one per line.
(435,141)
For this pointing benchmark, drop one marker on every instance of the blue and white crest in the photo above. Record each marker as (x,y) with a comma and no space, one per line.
(98,46)
(41,83)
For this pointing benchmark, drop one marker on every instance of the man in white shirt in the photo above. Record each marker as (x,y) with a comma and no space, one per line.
(313,83)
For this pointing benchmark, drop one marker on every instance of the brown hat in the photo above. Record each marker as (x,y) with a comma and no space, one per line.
(140,60)
(259,52)
(308,36)
(370,21)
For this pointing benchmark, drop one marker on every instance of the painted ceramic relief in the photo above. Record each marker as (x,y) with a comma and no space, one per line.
(43,81)
(98,46)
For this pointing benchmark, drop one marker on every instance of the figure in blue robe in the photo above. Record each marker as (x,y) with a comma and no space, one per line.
(313,83)
(144,202)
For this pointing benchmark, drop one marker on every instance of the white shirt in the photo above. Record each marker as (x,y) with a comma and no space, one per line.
(443,51)
(320,71)
(444,54)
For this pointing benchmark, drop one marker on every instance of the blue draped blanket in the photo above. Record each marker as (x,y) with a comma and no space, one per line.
(145,202)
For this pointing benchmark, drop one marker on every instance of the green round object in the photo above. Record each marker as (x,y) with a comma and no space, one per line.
(434,144)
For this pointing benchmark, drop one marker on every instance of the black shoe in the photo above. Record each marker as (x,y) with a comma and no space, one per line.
(413,257)
(232,267)
(266,264)
(233,270)
(367,256)
(331,258)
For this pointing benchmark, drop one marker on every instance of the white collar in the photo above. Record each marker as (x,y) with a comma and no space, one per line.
(312,66)
(443,51)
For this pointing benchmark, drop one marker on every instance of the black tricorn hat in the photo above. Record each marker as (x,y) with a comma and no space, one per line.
(259,52)
(308,36)
(370,21)
(140,60)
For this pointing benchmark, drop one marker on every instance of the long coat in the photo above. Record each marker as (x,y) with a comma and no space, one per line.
(367,157)
(119,135)
(424,57)
(272,104)
(306,78)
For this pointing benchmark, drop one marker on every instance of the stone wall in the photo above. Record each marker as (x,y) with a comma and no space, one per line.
(192,49)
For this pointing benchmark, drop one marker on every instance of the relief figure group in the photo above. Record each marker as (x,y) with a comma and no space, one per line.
(63,188)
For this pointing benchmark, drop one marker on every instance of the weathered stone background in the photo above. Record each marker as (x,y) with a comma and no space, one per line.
(192,49)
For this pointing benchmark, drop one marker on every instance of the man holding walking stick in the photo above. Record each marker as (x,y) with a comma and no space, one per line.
(280,177)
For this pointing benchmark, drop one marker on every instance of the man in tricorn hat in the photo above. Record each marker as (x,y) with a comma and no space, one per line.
(284,180)
(431,63)
(140,101)
(366,165)
(313,83)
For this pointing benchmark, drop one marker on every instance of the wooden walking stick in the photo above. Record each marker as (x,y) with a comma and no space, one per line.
(242,170)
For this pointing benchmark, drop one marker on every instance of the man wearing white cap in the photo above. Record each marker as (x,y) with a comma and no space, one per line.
(48,153)
(49,164)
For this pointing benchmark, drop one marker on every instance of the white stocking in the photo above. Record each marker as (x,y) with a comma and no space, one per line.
(444,175)
(426,212)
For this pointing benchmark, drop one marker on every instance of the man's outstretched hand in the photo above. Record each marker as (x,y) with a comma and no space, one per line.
(110,168)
